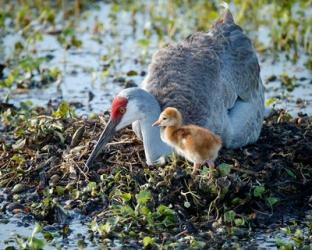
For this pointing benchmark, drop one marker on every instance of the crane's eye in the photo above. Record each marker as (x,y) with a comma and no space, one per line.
(122,110)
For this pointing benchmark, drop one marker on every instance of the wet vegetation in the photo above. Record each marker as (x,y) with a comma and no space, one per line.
(122,202)
(128,203)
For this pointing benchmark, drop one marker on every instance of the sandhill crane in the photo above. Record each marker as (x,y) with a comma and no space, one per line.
(211,78)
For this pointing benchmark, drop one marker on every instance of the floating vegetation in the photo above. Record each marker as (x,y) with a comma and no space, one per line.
(299,238)
(43,171)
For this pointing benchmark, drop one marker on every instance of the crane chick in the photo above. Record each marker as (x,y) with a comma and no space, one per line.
(196,144)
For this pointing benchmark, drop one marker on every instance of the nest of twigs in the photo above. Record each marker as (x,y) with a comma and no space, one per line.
(252,183)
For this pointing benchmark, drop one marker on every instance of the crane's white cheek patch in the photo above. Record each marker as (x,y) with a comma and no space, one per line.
(131,115)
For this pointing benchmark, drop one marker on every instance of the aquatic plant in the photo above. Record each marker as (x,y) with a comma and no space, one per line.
(43,152)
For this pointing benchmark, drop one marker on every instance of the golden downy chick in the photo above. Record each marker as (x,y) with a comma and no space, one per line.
(194,143)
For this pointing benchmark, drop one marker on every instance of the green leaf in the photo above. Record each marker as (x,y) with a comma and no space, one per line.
(115,8)
(93,226)
(259,191)
(197,244)
(37,229)
(28,64)
(81,244)
(286,230)
(165,215)
(46,202)
(104,229)
(271,201)
(8,82)
(68,32)
(76,42)
(143,197)
(203,172)
(104,74)
(290,173)
(127,211)
(59,190)
(164,210)
(48,236)
(229,216)
(143,43)
(145,210)
(36,244)
(54,73)
(132,73)
(18,159)
(284,245)
(148,241)
(239,222)
(126,197)
(63,111)
(91,186)
(270,102)
(26,105)
(224,169)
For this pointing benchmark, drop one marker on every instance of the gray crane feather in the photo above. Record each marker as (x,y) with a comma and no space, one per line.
(213,79)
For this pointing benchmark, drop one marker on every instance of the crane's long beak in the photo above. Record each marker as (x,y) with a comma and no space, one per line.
(106,135)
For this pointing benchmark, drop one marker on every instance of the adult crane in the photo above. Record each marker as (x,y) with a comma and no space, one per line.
(212,78)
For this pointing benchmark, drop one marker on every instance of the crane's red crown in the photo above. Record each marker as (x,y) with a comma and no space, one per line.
(119,107)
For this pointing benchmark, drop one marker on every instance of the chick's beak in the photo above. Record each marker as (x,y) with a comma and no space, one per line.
(106,135)
(157,123)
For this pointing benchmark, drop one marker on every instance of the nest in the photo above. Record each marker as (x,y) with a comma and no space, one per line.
(256,183)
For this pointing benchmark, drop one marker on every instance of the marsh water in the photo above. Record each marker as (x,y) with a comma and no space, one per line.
(118,57)
(114,57)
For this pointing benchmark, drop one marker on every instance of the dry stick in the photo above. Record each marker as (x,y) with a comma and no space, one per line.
(260,212)
(83,173)
(214,202)
(53,168)
(5,176)
(94,127)
(181,233)
(117,162)
(140,159)
(45,116)
(303,177)
(245,171)
(119,142)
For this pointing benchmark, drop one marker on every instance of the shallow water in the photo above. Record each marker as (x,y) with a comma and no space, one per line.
(82,69)
(259,239)
(14,227)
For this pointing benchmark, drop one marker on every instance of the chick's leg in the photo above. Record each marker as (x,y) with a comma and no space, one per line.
(211,164)
(196,166)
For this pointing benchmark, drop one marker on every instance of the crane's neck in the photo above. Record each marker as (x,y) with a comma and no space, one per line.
(155,149)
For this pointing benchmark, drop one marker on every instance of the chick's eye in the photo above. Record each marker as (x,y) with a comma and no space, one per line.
(122,110)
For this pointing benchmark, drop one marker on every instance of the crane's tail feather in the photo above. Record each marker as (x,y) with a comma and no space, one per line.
(227,16)
(225,5)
